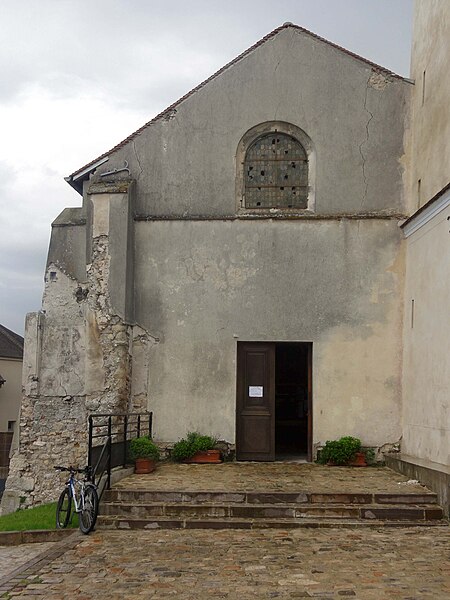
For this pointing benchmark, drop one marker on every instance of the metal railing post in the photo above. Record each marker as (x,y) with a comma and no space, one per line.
(101,452)
(91,427)
(108,484)
(125,427)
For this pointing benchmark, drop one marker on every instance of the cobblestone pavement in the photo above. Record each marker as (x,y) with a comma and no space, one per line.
(12,557)
(400,564)
(270,476)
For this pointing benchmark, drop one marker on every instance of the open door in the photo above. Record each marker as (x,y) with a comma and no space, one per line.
(293,402)
(255,415)
(274,401)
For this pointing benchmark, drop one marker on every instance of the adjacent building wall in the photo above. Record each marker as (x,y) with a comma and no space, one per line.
(430,142)
(426,384)
(426,370)
(11,391)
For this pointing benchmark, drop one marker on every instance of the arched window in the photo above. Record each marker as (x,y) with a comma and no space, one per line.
(276,172)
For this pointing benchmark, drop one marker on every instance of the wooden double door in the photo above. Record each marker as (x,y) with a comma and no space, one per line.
(274,400)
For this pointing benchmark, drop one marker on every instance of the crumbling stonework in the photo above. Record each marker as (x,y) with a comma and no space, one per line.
(78,361)
(109,335)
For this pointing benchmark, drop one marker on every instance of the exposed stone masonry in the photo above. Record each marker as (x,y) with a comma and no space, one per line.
(78,361)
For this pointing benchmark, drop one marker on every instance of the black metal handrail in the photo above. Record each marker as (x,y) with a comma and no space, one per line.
(116,430)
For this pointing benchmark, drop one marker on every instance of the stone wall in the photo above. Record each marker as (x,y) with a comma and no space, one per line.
(77,361)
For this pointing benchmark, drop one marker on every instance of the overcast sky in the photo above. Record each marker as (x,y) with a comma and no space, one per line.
(78,76)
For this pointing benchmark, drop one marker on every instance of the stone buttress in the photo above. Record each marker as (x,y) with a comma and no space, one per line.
(79,348)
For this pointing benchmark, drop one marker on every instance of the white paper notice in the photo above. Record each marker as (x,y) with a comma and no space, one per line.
(255,391)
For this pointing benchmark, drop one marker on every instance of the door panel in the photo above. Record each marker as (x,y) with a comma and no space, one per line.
(255,426)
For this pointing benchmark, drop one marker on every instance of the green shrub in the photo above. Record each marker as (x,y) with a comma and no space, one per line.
(370,456)
(340,452)
(194,442)
(143,447)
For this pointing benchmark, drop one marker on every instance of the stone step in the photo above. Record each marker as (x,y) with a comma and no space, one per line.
(423,512)
(125,523)
(262,497)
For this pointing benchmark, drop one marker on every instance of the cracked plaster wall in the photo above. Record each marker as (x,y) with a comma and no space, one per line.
(184,164)
(198,285)
(336,283)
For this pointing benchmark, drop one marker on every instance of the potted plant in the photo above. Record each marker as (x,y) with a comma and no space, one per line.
(145,454)
(345,451)
(196,448)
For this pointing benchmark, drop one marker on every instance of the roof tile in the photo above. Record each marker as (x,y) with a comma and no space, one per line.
(11,344)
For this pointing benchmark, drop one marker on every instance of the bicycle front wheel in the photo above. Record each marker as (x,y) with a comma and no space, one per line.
(89,509)
(63,509)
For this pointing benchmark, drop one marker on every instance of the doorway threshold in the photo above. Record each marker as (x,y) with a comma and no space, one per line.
(292,458)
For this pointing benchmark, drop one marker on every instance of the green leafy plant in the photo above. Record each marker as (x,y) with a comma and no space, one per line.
(339,452)
(194,442)
(370,456)
(144,447)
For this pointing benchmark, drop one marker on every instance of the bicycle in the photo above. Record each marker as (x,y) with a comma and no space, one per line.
(83,493)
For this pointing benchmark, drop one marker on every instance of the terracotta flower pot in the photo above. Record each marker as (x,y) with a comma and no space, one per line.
(204,457)
(144,466)
(359,460)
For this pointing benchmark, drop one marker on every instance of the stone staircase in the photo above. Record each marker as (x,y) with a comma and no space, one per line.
(145,509)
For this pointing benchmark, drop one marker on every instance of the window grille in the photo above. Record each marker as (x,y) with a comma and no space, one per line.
(276,173)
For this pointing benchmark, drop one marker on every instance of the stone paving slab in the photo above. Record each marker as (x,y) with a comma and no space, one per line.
(12,557)
(19,574)
(249,476)
(400,564)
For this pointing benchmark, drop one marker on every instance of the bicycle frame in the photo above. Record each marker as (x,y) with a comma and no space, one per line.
(78,502)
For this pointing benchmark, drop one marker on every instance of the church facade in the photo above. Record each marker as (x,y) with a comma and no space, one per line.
(237,267)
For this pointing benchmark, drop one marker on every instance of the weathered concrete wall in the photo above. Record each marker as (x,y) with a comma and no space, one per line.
(430,144)
(202,286)
(184,164)
(68,243)
(338,283)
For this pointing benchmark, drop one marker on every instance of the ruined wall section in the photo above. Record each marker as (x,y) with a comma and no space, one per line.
(78,354)
(53,413)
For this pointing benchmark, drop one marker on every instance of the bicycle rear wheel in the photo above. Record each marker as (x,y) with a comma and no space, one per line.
(63,509)
(89,509)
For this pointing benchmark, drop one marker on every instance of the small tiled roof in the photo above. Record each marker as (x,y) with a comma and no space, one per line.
(423,208)
(170,108)
(11,344)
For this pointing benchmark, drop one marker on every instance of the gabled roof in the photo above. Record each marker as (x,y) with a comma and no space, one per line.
(11,344)
(76,178)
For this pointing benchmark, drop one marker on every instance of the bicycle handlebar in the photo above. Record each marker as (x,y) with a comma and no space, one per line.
(73,469)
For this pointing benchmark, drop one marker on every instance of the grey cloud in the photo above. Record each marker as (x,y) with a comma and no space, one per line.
(124,48)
